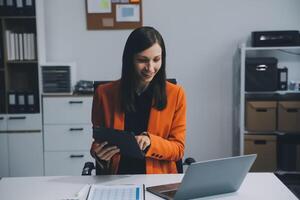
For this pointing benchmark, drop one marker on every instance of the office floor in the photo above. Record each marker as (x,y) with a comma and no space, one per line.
(292,181)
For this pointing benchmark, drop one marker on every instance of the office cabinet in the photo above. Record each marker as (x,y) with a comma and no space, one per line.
(67,133)
(25,154)
(21,144)
(266,113)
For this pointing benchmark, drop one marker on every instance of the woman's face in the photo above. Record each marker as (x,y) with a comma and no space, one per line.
(147,63)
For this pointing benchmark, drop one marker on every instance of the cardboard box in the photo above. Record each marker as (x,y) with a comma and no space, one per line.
(289,116)
(261,115)
(265,146)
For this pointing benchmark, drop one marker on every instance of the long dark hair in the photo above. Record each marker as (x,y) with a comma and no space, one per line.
(139,40)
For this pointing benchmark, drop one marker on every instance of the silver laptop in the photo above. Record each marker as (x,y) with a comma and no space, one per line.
(208,178)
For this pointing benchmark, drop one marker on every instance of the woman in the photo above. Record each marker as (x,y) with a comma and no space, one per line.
(143,102)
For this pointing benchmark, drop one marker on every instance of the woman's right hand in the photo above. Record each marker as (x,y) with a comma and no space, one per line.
(104,152)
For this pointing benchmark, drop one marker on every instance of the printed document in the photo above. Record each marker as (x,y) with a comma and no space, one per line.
(117,192)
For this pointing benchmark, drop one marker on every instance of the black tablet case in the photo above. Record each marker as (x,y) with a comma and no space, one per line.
(124,140)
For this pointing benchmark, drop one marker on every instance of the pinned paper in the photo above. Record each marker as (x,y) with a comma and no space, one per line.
(108,22)
(99,6)
(127,13)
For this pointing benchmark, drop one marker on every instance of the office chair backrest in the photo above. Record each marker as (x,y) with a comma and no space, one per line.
(179,164)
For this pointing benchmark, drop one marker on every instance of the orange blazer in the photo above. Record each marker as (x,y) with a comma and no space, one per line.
(166,128)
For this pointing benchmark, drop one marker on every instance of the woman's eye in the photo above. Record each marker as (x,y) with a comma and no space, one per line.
(156,59)
(142,60)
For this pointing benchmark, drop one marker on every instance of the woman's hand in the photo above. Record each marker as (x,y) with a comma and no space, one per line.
(143,140)
(103,152)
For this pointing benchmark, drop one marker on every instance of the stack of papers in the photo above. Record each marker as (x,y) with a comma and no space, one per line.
(116,192)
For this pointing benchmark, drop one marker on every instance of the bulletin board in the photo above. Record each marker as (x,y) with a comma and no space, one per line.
(114,14)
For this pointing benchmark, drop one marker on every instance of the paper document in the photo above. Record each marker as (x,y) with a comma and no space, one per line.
(116,192)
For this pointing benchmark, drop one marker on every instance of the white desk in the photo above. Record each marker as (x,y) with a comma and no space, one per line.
(256,186)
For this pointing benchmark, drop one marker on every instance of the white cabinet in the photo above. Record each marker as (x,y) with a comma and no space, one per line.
(287,57)
(21,145)
(67,134)
(25,154)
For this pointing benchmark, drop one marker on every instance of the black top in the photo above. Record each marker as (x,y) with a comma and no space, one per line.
(137,122)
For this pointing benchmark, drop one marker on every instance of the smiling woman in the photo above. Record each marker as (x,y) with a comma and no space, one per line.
(144,103)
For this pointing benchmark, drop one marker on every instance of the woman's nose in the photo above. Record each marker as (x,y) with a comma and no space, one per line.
(150,66)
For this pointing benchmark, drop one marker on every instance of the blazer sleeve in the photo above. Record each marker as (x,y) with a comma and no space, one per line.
(171,147)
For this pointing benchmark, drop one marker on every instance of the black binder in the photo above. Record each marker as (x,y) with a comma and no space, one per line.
(21,103)
(283,78)
(29,7)
(124,140)
(10,7)
(12,102)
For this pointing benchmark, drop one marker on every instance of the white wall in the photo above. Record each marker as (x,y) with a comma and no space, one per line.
(201,38)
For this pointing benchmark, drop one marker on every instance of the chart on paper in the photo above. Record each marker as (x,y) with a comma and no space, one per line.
(116,192)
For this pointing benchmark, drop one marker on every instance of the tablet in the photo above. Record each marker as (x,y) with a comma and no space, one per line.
(124,140)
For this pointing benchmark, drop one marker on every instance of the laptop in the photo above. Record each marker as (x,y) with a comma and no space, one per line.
(208,178)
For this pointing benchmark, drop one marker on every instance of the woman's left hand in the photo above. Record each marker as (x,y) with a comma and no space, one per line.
(143,140)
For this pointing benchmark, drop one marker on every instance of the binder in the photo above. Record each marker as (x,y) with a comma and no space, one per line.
(10,7)
(21,103)
(283,78)
(29,7)
(19,7)
(31,101)
(12,102)
(2,8)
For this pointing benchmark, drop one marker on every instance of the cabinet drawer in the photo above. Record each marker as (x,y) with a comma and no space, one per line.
(20,122)
(67,137)
(67,110)
(66,163)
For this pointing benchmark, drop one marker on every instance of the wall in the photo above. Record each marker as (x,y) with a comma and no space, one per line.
(201,38)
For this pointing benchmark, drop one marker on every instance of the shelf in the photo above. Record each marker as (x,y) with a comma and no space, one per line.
(247,48)
(276,92)
(22,62)
(272,48)
(283,172)
(17,17)
(270,133)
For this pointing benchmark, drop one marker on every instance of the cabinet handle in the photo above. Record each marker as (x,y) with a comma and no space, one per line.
(292,110)
(261,110)
(76,156)
(76,129)
(261,67)
(16,118)
(75,102)
(1,118)
(260,142)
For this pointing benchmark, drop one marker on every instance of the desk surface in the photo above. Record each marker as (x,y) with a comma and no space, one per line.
(255,186)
